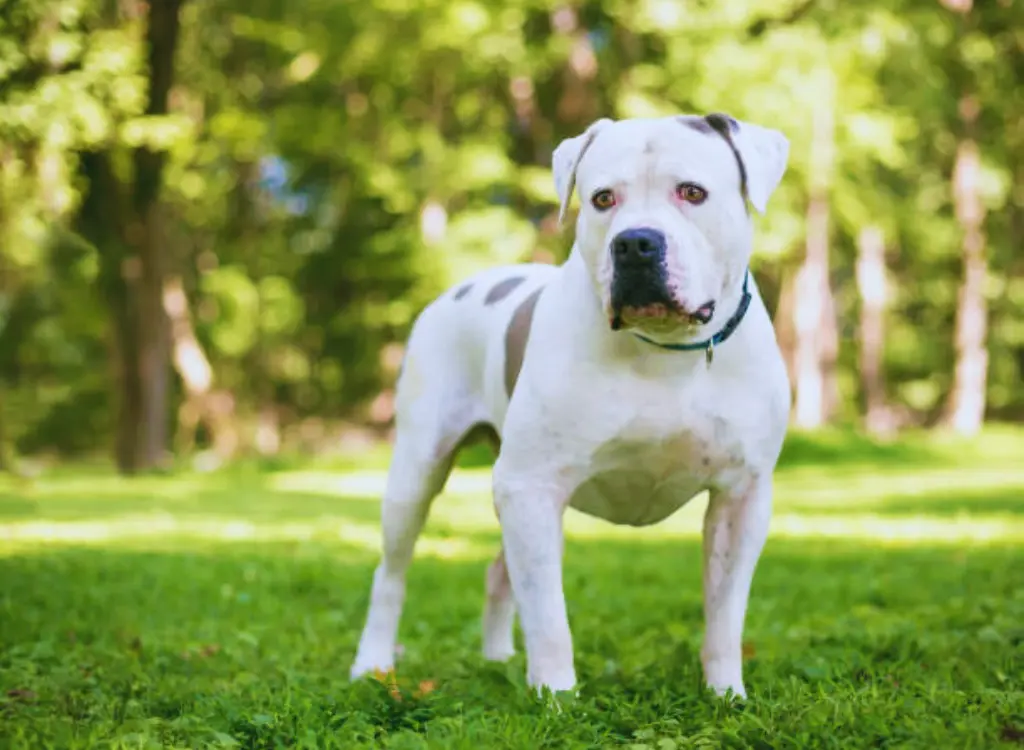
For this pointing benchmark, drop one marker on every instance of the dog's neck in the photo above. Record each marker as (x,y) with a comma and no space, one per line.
(624,342)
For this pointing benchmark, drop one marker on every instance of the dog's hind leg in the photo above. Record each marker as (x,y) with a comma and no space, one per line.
(499,612)
(437,406)
(417,474)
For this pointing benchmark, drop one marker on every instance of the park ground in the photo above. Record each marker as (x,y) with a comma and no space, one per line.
(222,610)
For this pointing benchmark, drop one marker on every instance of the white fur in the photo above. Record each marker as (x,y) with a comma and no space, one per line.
(601,421)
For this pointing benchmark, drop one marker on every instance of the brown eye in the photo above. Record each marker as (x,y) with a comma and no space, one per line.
(691,193)
(602,200)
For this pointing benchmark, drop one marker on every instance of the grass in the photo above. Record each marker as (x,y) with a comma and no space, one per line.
(222,610)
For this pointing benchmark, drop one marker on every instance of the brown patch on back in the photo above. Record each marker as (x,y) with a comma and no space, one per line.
(516,337)
(462,291)
(502,289)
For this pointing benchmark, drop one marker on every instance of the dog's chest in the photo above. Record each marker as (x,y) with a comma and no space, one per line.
(640,479)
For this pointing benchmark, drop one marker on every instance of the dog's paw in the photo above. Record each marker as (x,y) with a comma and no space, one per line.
(557,690)
(498,652)
(370,665)
(725,677)
(558,700)
(376,660)
(730,693)
(361,670)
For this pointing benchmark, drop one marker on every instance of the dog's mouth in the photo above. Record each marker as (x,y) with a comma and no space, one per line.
(660,315)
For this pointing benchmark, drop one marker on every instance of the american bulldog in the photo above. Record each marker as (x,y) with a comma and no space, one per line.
(639,373)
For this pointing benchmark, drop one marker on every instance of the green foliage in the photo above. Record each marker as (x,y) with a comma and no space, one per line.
(411,144)
(223,611)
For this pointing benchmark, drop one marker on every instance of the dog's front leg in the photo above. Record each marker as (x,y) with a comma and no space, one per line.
(735,530)
(531,526)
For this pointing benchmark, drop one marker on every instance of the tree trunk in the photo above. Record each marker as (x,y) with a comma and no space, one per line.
(808,313)
(148,236)
(130,238)
(101,221)
(784,322)
(813,304)
(965,408)
(153,345)
(965,405)
(871,284)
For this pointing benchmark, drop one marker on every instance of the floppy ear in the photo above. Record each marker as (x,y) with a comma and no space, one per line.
(765,153)
(566,158)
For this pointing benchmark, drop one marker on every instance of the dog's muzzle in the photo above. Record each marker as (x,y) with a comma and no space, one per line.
(640,290)
(640,280)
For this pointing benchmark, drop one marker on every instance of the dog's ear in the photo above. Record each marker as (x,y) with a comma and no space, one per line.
(566,158)
(761,152)
(764,152)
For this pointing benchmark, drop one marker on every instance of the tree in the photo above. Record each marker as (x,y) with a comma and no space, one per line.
(966,404)
(813,305)
(871,283)
(125,222)
(263,199)
(965,407)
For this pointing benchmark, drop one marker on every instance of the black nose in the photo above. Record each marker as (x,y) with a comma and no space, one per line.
(638,246)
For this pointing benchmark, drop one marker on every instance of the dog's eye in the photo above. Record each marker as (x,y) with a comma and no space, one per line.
(691,193)
(602,200)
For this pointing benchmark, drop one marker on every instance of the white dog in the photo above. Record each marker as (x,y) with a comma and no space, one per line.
(641,372)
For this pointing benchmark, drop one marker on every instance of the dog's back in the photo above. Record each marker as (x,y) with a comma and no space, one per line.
(465,349)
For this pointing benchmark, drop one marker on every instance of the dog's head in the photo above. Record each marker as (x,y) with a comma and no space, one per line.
(663,224)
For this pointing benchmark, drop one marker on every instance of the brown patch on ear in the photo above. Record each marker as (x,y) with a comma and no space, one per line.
(725,126)
(462,291)
(516,337)
(502,289)
(721,121)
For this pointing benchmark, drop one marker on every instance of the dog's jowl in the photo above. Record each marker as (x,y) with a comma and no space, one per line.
(641,372)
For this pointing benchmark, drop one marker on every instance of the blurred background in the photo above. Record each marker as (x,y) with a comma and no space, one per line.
(219,219)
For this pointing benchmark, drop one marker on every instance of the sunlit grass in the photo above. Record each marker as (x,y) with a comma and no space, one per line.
(221,610)
(929,501)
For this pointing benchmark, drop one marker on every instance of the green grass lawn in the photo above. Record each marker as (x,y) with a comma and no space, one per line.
(223,610)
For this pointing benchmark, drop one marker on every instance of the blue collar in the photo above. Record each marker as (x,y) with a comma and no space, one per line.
(708,345)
